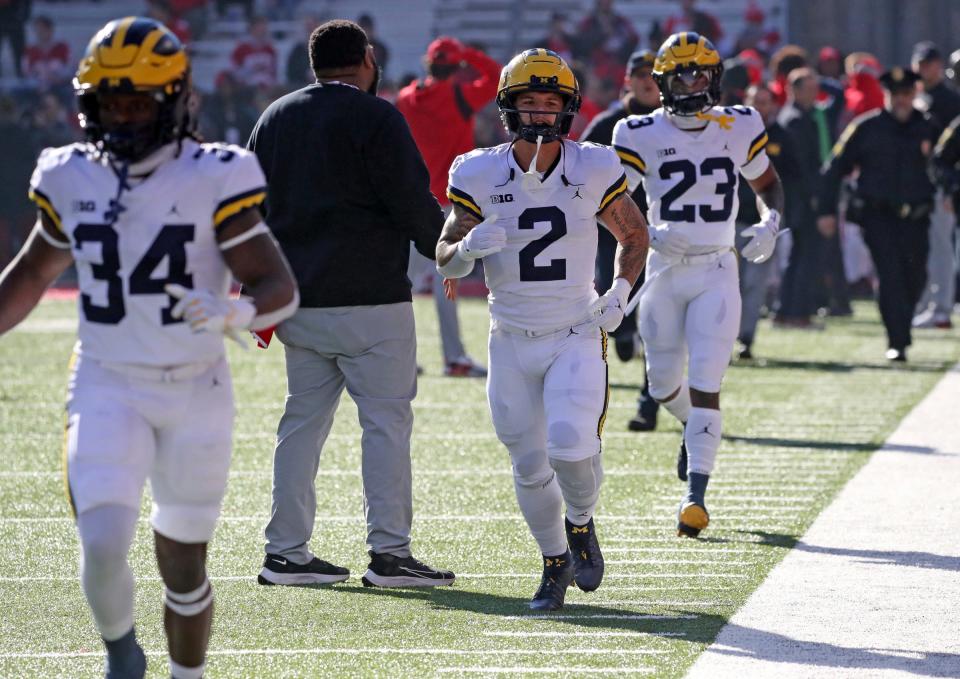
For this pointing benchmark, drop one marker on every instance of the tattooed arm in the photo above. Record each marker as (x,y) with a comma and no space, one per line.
(624,220)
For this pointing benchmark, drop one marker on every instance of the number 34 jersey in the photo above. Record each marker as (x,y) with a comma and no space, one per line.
(129,243)
(691,178)
(543,278)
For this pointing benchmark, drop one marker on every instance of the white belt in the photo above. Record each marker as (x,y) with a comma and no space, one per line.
(705,258)
(496,324)
(158,374)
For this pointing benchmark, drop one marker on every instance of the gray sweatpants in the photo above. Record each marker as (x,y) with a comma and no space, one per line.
(941,266)
(370,350)
(448,321)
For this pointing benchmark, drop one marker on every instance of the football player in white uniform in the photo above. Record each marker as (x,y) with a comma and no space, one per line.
(689,156)
(155,223)
(528,208)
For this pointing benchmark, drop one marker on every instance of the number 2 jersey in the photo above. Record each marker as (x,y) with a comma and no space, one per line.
(128,244)
(543,278)
(691,178)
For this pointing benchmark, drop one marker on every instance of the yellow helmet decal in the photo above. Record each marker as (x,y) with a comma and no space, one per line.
(132,53)
(685,49)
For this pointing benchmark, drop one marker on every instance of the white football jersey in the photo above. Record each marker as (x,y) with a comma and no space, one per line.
(691,178)
(543,278)
(129,243)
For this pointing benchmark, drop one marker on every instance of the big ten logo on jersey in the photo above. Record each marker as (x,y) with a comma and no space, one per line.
(501,198)
(663,153)
(84,206)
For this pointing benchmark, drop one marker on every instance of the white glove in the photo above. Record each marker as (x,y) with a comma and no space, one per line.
(764,238)
(669,242)
(486,238)
(206,312)
(608,310)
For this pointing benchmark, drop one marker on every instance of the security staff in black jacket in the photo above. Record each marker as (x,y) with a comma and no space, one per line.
(642,97)
(893,198)
(347,191)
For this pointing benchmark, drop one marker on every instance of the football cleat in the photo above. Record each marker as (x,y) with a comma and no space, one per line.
(691,519)
(682,460)
(388,570)
(464,367)
(278,570)
(587,557)
(125,658)
(557,576)
(646,417)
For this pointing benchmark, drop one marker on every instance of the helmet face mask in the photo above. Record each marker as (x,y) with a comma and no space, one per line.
(129,64)
(537,70)
(688,70)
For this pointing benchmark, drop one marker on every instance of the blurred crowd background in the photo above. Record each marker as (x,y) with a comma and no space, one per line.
(246,53)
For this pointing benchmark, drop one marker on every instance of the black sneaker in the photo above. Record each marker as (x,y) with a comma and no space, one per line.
(278,570)
(587,557)
(646,417)
(387,570)
(557,576)
(682,460)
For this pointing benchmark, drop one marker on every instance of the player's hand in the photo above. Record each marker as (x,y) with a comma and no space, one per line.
(486,238)
(207,312)
(669,242)
(764,238)
(608,310)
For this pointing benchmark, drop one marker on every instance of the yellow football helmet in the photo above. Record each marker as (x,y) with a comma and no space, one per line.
(683,58)
(539,70)
(130,56)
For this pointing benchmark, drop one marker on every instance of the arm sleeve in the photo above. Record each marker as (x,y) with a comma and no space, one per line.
(402,183)
(43,187)
(755,161)
(611,177)
(633,164)
(243,186)
(459,190)
(839,165)
(478,93)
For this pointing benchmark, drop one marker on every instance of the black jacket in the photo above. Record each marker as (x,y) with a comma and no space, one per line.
(892,158)
(804,134)
(943,104)
(347,191)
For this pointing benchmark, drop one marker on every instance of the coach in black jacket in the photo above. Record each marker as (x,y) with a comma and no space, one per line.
(347,191)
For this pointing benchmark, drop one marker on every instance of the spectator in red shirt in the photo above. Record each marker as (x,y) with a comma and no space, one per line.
(863,91)
(255,59)
(46,62)
(440,111)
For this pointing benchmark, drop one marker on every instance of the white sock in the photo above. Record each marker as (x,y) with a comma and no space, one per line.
(106,533)
(702,436)
(679,405)
(541,504)
(579,483)
(178,671)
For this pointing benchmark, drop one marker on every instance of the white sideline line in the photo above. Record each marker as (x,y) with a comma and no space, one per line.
(563,670)
(602,616)
(460,576)
(674,604)
(351,651)
(580,634)
(674,550)
(664,588)
(678,562)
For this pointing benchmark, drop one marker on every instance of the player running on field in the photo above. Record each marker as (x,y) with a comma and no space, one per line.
(689,156)
(156,223)
(529,209)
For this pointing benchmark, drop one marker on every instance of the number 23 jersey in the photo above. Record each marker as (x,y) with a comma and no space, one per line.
(691,178)
(543,278)
(164,232)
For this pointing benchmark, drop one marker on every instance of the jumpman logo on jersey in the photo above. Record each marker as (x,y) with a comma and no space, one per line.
(725,147)
(577,194)
(174,210)
(706,430)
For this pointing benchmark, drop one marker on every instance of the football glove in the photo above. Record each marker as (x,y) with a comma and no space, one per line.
(206,312)
(668,242)
(763,238)
(486,238)
(607,311)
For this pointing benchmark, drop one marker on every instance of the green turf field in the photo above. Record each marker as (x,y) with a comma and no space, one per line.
(797,425)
